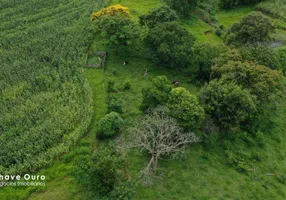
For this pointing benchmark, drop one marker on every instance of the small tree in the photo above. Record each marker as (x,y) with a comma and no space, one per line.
(158,135)
(185,107)
(254,27)
(183,7)
(157,16)
(105,170)
(171,45)
(117,30)
(109,125)
(110,11)
(157,93)
(227,104)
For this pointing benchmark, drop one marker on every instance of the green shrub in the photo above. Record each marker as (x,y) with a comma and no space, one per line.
(105,170)
(157,16)
(110,86)
(127,85)
(252,28)
(109,125)
(114,103)
(124,191)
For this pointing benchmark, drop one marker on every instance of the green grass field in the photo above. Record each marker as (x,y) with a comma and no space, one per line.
(203,174)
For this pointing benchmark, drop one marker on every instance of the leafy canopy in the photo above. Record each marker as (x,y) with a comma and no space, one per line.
(227,104)
(185,107)
(171,45)
(117,30)
(111,11)
(253,28)
(183,7)
(109,125)
(157,93)
(261,81)
(157,16)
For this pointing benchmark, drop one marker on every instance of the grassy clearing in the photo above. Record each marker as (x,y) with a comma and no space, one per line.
(202,31)
(229,17)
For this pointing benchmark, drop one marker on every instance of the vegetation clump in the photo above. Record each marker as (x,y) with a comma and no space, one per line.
(158,16)
(109,125)
(253,28)
(111,11)
(171,45)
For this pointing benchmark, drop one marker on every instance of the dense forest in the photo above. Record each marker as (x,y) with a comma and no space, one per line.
(154,99)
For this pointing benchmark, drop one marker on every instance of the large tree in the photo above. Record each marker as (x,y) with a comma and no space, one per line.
(227,104)
(157,134)
(117,30)
(157,16)
(204,57)
(171,45)
(185,107)
(254,27)
(183,7)
(261,81)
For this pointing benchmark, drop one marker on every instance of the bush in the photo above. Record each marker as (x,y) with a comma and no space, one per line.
(125,191)
(227,104)
(171,45)
(157,16)
(127,85)
(114,103)
(109,125)
(253,28)
(183,7)
(185,107)
(110,86)
(157,93)
(105,171)
(111,11)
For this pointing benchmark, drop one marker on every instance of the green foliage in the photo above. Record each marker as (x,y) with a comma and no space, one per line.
(157,16)
(261,81)
(98,172)
(232,3)
(276,8)
(117,30)
(171,45)
(157,93)
(110,86)
(253,28)
(183,7)
(109,125)
(185,107)
(105,171)
(227,104)
(124,191)
(261,55)
(127,85)
(114,103)
(204,55)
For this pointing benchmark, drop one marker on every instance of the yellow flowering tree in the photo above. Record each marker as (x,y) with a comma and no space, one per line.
(110,11)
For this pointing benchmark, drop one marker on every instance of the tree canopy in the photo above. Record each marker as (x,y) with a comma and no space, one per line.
(227,104)
(183,7)
(157,93)
(261,81)
(116,30)
(185,107)
(171,45)
(254,27)
(157,16)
